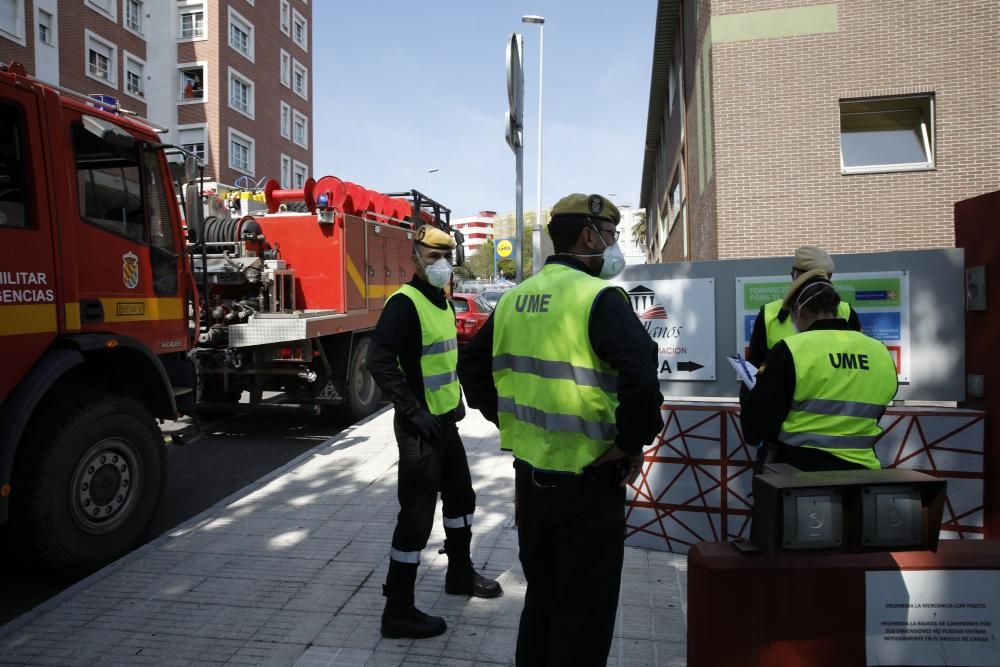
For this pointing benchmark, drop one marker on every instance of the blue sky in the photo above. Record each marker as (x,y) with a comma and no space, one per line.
(401,87)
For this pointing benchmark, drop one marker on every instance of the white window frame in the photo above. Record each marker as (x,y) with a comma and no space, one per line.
(305,171)
(927,132)
(305,30)
(285,120)
(125,4)
(251,158)
(126,57)
(297,66)
(52,27)
(298,116)
(249,113)
(285,68)
(88,37)
(182,8)
(111,13)
(203,64)
(285,19)
(237,18)
(286,171)
(204,135)
(18,35)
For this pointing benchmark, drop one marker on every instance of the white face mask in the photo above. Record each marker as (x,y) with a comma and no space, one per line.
(614,258)
(437,273)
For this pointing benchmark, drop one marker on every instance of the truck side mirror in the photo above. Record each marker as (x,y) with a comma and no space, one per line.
(190,168)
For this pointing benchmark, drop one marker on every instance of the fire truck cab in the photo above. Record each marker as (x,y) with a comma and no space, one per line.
(95,297)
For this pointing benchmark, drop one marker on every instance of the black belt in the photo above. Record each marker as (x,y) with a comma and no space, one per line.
(609,473)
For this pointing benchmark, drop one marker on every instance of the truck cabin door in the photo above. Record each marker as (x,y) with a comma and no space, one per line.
(127,235)
(29,309)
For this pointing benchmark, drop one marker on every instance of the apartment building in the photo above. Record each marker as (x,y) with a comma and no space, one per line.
(477,229)
(230,79)
(851,124)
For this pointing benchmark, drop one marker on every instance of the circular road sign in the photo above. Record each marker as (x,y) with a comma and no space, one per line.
(505,248)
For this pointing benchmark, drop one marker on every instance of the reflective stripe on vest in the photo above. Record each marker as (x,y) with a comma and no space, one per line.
(778,331)
(843,382)
(557,398)
(439,352)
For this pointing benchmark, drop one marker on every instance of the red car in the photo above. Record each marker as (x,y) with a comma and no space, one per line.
(471,312)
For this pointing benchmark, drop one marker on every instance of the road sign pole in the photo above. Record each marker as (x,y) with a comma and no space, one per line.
(515,118)
(519,215)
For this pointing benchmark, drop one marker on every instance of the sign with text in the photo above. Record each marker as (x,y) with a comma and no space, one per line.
(679,315)
(881,299)
(933,617)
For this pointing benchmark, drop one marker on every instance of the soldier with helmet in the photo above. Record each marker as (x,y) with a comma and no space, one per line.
(567,372)
(413,358)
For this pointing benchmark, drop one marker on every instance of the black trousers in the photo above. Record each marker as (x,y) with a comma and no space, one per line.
(426,469)
(571,532)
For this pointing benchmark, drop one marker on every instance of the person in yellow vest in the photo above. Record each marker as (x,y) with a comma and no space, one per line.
(820,393)
(413,358)
(567,372)
(773,323)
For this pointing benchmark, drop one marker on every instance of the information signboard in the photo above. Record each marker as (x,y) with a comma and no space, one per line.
(679,316)
(881,299)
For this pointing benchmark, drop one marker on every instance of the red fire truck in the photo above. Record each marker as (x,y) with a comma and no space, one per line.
(115,314)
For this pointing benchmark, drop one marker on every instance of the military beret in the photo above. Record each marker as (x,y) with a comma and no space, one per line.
(589,206)
(810,257)
(432,237)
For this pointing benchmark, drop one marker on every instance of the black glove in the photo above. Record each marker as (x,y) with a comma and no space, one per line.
(460,411)
(426,424)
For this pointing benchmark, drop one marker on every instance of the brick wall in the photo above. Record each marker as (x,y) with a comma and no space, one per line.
(10,50)
(777,126)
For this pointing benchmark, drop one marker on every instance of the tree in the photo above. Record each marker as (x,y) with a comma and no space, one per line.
(639,227)
(480,264)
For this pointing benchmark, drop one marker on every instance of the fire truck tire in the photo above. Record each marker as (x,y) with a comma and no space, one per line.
(363,396)
(92,472)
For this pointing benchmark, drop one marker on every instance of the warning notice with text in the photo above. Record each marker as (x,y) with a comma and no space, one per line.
(937,617)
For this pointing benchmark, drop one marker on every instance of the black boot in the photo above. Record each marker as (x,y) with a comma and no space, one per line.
(462,578)
(400,617)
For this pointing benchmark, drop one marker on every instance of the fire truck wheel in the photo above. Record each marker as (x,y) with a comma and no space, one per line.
(93,471)
(363,395)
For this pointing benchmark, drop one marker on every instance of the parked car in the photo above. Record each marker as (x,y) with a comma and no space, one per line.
(491,296)
(471,312)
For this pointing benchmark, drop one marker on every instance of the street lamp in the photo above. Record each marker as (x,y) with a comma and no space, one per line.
(536,233)
(429,172)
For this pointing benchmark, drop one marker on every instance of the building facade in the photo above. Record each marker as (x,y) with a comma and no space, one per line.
(851,124)
(478,229)
(230,79)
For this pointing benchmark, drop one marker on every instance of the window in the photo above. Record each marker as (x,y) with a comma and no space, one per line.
(286,170)
(192,21)
(12,20)
(108,8)
(135,84)
(102,57)
(13,169)
(286,121)
(300,173)
(286,17)
(192,139)
(887,134)
(300,30)
(240,34)
(286,69)
(163,250)
(107,178)
(300,79)
(675,196)
(300,129)
(192,82)
(241,152)
(44,27)
(240,93)
(133,16)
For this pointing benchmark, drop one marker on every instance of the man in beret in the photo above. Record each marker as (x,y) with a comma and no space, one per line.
(773,322)
(569,375)
(413,357)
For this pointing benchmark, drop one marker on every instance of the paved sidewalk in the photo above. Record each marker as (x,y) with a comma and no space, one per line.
(289,571)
